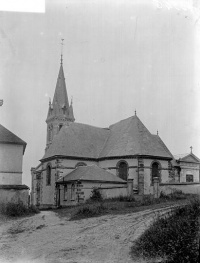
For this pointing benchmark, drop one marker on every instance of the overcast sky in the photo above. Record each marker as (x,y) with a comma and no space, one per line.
(118,56)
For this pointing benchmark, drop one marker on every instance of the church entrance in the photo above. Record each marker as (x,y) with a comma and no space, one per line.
(123,170)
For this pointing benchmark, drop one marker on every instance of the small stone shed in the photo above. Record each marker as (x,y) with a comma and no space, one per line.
(77,186)
(12,149)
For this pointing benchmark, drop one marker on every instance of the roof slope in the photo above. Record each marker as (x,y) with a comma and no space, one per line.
(131,137)
(190,157)
(78,140)
(91,173)
(7,136)
(126,138)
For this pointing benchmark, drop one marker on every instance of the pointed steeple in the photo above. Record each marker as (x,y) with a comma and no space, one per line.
(60,95)
(59,111)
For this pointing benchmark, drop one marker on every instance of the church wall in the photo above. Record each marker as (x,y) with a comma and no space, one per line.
(164,174)
(111,166)
(11,157)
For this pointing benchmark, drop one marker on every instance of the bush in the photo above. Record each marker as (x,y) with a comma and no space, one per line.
(96,195)
(89,211)
(174,238)
(175,195)
(17,209)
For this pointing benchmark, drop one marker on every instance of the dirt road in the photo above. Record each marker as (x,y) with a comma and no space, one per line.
(47,238)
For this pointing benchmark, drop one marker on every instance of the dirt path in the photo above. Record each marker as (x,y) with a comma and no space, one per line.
(47,238)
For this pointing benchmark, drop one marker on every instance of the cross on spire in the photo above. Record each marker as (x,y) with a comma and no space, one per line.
(61,60)
(191,149)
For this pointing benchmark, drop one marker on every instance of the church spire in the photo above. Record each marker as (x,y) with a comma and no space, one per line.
(60,112)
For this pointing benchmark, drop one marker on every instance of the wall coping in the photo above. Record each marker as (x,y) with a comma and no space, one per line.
(181,183)
(14,186)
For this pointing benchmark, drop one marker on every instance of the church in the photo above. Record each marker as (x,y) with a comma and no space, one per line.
(80,157)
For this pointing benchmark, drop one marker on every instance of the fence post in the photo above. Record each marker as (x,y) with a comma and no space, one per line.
(130,188)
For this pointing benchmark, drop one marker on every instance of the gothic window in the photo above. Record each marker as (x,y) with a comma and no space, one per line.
(65,192)
(155,170)
(48,178)
(73,192)
(123,170)
(189,178)
(80,164)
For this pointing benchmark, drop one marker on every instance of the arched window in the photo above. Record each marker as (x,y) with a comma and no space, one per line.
(48,175)
(155,170)
(80,164)
(123,170)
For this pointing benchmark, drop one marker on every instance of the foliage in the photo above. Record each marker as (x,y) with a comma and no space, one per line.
(175,194)
(96,195)
(11,209)
(173,238)
(89,210)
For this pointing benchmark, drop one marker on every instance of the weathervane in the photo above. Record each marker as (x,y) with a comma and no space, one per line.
(61,61)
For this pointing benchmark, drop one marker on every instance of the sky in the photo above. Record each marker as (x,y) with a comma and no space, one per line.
(119,56)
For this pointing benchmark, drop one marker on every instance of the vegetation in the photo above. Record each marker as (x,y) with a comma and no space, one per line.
(18,209)
(173,238)
(97,206)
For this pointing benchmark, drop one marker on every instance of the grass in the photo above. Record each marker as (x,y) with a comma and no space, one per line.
(17,209)
(119,205)
(173,238)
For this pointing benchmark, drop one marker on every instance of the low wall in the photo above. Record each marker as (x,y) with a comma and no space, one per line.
(112,192)
(187,188)
(14,194)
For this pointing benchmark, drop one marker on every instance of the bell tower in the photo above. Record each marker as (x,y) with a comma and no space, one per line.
(60,112)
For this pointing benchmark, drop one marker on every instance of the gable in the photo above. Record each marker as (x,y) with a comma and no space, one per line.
(190,158)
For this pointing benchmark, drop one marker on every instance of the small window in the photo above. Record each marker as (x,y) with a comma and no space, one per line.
(73,192)
(189,178)
(65,192)
(48,175)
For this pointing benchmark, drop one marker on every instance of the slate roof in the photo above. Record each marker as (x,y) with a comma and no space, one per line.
(91,173)
(128,137)
(7,137)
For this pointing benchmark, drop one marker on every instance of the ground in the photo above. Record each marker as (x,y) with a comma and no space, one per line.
(47,237)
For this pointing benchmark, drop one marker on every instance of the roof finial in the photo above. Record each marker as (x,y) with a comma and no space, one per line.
(1,102)
(61,59)
(191,149)
(135,113)
(157,132)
